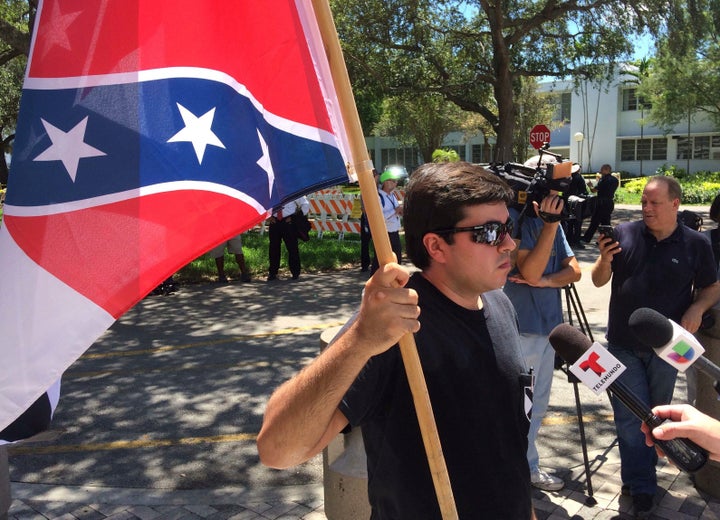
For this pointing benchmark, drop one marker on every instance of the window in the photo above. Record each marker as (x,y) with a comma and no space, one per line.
(627,150)
(683,148)
(405,156)
(701,148)
(631,100)
(698,147)
(659,150)
(643,149)
(477,153)
(562,102)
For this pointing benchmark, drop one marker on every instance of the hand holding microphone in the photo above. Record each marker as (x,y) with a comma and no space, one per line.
(599,370)
(687,422)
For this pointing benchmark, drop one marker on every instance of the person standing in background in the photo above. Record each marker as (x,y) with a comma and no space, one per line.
(234,246)
(605,204)
(281,228)
(392,211)
(365,236)
(575,200)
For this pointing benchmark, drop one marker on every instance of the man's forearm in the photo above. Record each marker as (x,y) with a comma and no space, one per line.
(533,265)
(708,296)
(601,272)
(300,412)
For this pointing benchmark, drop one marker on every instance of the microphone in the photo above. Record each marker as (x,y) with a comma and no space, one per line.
(671,342)
(595,366)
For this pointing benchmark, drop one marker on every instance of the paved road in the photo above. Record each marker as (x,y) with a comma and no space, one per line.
(172,396)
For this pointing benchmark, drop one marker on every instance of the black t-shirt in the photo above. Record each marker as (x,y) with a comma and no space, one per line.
(479,403)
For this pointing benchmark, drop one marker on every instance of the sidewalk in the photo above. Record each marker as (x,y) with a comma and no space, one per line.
(560,449)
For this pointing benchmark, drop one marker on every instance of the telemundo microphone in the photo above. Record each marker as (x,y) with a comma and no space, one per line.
(599,370)
(675,345)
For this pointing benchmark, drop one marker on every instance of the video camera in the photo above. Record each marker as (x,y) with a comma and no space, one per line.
(533,184)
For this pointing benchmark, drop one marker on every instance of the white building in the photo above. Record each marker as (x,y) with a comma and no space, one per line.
(606,124)
(595,124)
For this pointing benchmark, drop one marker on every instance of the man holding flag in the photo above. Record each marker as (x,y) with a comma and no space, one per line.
(468,342)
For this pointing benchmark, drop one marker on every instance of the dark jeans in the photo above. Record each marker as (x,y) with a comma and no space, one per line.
(365,239)
(602,215)
(283,231)
(652,380)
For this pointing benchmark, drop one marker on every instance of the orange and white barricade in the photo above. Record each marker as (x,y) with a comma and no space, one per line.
(331,210)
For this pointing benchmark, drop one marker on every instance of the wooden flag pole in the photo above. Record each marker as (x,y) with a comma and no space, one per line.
(381,241)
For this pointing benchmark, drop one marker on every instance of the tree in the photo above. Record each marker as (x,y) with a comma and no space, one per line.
(474,53)
(15,19)
(424,120)
(684,78)
(532,109)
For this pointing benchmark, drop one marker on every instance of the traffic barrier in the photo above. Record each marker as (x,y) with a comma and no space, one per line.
(333,210)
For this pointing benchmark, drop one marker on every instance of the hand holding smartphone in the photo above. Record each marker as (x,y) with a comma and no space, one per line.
(607,231)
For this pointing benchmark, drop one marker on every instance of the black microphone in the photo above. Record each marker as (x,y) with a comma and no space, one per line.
(671,342)
(571,344)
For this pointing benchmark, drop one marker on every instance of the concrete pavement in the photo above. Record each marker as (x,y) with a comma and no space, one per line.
(317,301)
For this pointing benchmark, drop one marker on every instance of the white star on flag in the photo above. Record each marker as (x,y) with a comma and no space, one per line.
(197,131)
(68,147)
(265,163)
(56,32)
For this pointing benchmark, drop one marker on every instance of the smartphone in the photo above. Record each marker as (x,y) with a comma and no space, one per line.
(607,231)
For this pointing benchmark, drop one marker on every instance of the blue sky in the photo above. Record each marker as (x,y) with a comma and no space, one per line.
(643,47)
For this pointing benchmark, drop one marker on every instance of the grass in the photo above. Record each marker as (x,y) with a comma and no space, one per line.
(316,255)
(700,188)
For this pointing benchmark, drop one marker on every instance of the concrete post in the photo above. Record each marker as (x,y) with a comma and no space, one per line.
(708,478)
(344,468)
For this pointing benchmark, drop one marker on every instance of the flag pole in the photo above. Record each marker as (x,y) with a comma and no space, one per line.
(368,189)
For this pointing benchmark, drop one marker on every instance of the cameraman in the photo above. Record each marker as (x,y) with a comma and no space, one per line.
(545,263)
(575,200)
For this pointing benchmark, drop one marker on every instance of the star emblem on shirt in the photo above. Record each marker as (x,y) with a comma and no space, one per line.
(198,131)
(68,147)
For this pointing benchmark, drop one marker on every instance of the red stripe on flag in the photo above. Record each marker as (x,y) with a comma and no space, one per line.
(115,254)
(254,41)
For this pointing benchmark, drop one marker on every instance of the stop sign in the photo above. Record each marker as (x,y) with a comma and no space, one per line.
(539,135)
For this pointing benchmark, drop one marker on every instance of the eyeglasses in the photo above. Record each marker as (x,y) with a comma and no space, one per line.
(490,233)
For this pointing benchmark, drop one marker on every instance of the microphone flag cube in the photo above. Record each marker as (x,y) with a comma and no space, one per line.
(597,368)
(682,350)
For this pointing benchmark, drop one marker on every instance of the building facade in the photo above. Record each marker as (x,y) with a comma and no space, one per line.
(608,123)
(594,124)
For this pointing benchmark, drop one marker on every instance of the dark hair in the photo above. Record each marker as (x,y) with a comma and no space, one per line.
(715,209)
(436,197)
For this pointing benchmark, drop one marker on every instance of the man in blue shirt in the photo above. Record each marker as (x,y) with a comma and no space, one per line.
(545,263)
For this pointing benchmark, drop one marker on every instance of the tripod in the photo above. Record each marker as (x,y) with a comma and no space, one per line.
(574,307)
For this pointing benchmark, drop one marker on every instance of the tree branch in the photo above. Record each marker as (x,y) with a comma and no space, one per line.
(14,37)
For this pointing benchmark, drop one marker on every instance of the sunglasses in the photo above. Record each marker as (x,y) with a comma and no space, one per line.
(490,233)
